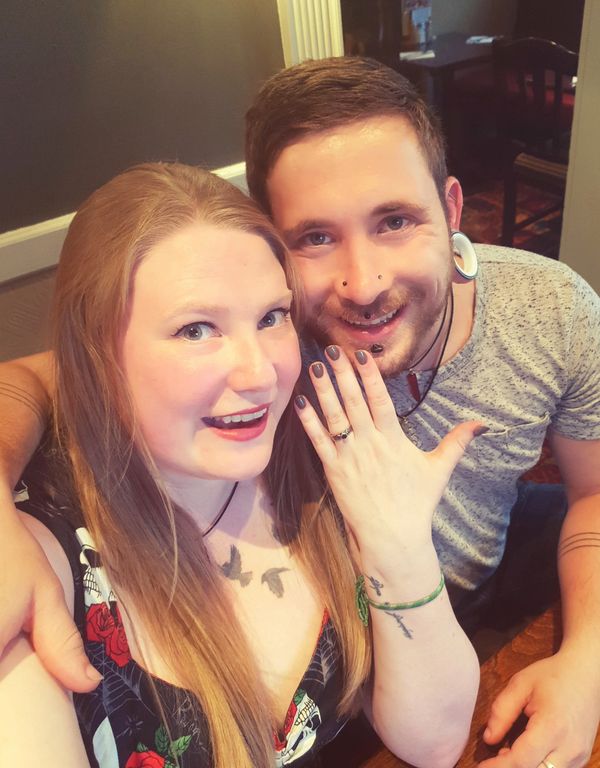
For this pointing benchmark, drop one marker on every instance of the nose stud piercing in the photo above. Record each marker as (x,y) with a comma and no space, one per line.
(345,282)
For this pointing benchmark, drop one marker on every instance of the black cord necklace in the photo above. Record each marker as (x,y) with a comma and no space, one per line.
(436,368)
(222,510)
(411,376)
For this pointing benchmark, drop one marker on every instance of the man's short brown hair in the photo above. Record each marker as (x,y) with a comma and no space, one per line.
(323,94)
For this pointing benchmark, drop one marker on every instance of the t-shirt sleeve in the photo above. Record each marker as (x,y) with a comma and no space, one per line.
(578,412)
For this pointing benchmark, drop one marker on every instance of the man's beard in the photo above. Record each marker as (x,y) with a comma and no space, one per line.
(404,345)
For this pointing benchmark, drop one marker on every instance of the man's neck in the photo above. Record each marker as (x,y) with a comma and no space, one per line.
(464,317)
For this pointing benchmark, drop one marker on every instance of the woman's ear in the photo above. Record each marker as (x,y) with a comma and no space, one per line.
(453,198)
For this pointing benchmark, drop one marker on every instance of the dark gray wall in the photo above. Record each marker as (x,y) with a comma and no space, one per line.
(88,87)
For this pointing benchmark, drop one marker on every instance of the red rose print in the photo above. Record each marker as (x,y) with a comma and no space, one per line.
(99,622)
(290,717)
(116,646)
(145,760)
(101,627)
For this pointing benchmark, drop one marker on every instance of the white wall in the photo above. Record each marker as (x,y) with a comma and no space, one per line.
(580,242)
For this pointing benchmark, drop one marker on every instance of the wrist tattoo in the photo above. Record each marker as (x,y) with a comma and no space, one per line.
(578,541)
(21,395)
(400,622)
(376,585)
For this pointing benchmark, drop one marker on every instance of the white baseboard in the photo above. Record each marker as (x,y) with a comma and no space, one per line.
(29,249)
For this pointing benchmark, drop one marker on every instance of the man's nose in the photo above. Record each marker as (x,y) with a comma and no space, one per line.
(252,368)
(362,273)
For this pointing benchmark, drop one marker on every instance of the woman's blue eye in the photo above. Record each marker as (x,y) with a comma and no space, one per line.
(274,318)
(196,331)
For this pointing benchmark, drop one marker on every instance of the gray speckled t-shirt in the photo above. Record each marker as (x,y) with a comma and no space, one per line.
(532,361)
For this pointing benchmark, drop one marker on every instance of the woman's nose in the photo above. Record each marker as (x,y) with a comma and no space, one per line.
(252,368)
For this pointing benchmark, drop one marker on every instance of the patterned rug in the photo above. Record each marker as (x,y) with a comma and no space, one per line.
(482,222)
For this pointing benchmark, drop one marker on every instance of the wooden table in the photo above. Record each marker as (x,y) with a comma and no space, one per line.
(452,52)
(538,640)
(435,78)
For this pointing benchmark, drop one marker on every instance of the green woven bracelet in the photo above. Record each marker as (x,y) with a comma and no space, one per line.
(363,601)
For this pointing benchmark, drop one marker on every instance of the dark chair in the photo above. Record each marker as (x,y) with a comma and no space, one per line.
(535,98)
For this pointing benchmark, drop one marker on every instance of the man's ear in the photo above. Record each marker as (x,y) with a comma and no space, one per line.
(453,198)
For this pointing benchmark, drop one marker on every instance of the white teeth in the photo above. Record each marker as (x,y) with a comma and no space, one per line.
(236,418)
(253,416)
(377,321)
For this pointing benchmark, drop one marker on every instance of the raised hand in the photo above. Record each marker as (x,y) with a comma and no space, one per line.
(386,488)
(558,696)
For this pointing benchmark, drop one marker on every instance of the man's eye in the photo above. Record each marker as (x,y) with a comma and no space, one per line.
(315,239)
(393,223)
(274,318)
(196,331)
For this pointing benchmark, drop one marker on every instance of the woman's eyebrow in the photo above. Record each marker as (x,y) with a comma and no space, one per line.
(207,308)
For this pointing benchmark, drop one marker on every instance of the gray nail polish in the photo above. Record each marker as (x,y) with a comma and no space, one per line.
(317,369)
(333,352)
(361,356)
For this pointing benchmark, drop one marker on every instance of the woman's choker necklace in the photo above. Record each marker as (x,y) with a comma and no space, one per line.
(411,376)
(222,511)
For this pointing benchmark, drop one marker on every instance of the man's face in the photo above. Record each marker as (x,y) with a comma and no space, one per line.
(369,236)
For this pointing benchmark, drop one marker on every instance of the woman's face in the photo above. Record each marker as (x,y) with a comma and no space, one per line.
(210,352)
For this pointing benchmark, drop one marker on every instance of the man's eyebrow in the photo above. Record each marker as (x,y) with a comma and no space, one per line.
(301,227)
(399,206)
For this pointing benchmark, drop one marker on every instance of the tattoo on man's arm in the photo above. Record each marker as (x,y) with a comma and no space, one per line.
(578,541)
(400,622)
(22,396)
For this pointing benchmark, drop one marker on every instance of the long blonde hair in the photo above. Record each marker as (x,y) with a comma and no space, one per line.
(123,504)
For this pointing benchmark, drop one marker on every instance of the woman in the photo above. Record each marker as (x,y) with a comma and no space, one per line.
(209,569)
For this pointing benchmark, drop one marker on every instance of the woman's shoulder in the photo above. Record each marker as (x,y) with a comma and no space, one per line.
(47,509)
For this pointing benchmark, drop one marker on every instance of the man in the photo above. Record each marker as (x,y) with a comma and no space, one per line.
(348,162)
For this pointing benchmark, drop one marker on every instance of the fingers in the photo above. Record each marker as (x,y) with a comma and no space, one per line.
(353,410)
(316,432)
(361,414)
(58,644)
(506,708)
(452,447)
(380,403)
(528,751)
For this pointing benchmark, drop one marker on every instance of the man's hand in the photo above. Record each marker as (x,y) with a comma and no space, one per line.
(560,696)
(32,599)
